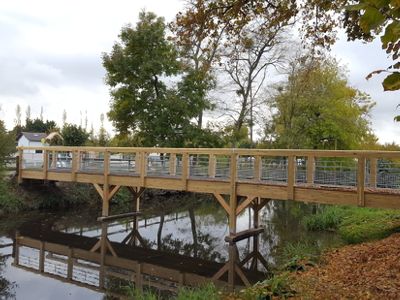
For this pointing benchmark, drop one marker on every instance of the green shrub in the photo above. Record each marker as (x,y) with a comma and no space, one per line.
(329,219)
(276,286)
(356,224)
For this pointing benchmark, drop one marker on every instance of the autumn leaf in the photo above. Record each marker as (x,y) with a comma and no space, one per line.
(392,82)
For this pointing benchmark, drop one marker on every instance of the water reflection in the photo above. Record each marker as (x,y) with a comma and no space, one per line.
(96,262)
(155,250)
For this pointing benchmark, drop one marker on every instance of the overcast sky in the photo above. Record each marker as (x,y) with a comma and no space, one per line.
(50,55)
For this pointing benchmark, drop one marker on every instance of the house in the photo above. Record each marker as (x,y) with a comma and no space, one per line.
(34,158)
(32,139)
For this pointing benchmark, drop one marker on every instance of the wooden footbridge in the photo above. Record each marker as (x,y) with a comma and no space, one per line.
(238,178)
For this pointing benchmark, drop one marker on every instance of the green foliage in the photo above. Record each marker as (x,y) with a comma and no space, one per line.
(9,202)
(7,144)
(298,256)
(330,219)
(38,125)
(356,225)
(145,103)
(276,286)
(207,291)
(74,135)
(317,109)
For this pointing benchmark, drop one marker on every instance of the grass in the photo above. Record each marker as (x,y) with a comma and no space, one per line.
(205,292)
(355,224)
(278,286)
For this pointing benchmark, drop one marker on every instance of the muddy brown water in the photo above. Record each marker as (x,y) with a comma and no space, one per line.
(188,241)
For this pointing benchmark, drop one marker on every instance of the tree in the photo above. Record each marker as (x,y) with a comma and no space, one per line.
(140,71)
(316,108)
(74,135)
(28,113)
(247,65)
(64,117)
(38,125)
(7,143)
(103,136)
(198,46)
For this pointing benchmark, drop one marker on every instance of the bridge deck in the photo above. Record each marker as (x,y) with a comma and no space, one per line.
(363,178)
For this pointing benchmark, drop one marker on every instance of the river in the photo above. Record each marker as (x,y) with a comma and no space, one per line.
(164,242)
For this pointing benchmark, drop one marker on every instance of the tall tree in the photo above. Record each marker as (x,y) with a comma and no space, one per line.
(28,113)
(198,38)
(316,108)
(74,135)
(140,71)
(38,125)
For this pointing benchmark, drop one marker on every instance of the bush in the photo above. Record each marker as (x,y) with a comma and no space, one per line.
(329,219)
(356,224)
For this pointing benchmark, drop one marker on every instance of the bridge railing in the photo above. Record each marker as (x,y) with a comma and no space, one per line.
(353,169)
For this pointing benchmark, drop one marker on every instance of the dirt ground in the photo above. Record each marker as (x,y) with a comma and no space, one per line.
(365,271)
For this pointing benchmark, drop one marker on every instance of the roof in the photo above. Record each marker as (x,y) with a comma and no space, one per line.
(34,136)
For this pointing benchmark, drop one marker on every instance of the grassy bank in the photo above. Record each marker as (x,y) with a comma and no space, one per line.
(355,224)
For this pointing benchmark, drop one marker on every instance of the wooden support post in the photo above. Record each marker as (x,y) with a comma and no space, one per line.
(70,266)
(45,164)
(172,164)
(231,267)
(16,251)
(212,163)
(291,177)
(20,165)
(185,170)
(103,251)
(373,172)
(361,181)
(139,277)
(310,169)
(233,194)
(41,257)
(257,167)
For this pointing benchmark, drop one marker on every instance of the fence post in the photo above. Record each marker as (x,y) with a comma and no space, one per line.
(361,181)
(310,170)
(19,165)
(211,166)
(257,167)
(185,170)
(373,172)
(291,177)
(45,163)
(233,195)
(172,164)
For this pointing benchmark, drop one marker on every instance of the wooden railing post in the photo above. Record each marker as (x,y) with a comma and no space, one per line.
(373,172)
(257,167)
(291,177)
(19,165)
(143,168)
(74,167)
(233,195)
(185,170)
(310,169)
(212,163)
(172,164)
(361,181)
(106,187)
(54,160)
(45,163)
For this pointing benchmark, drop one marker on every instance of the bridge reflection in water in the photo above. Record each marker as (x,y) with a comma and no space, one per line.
(99,264)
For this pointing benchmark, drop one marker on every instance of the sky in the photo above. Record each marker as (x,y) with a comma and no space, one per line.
(50,53)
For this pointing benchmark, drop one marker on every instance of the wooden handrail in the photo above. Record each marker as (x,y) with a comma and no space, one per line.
(228,151)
